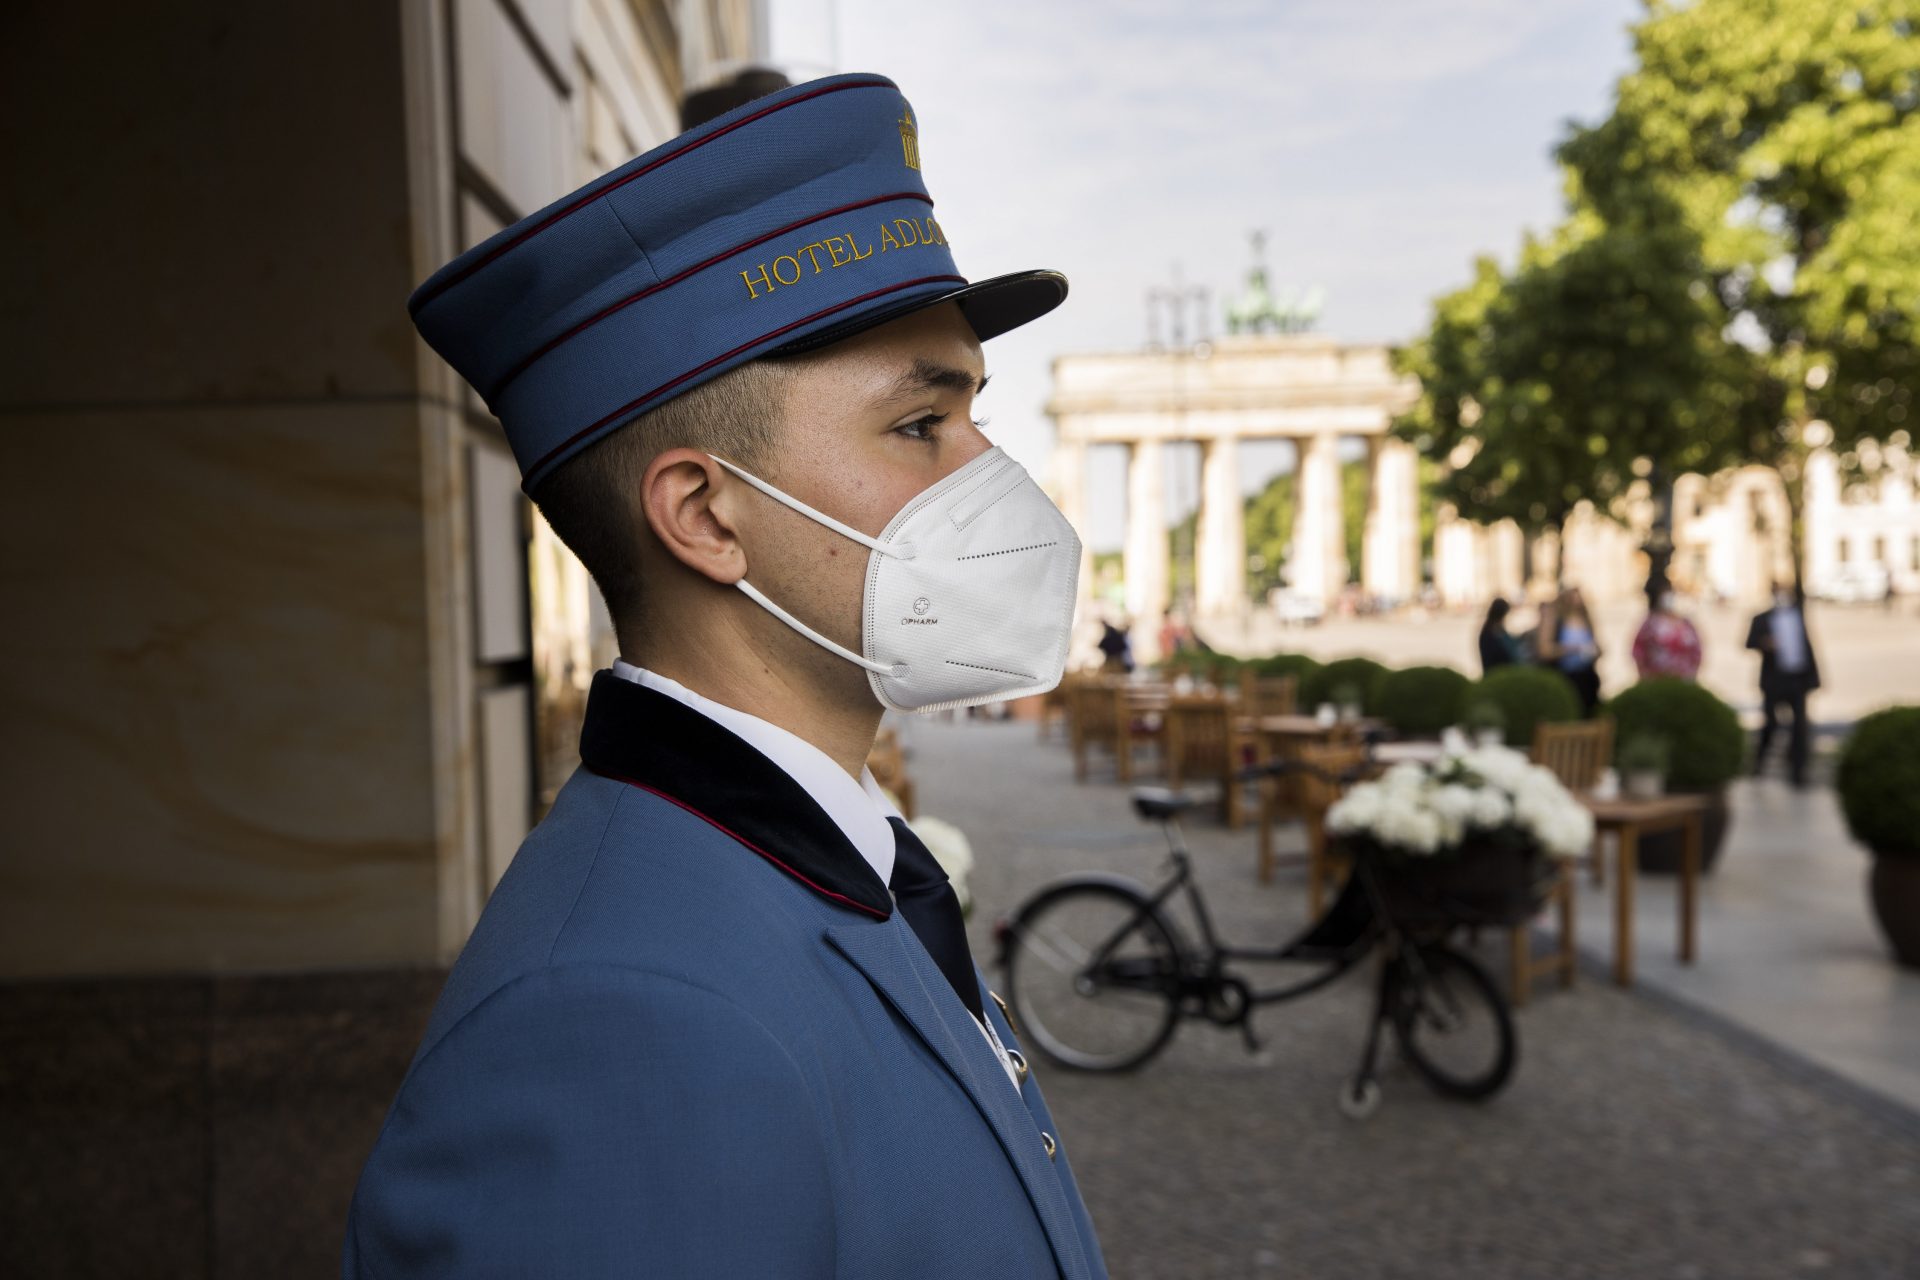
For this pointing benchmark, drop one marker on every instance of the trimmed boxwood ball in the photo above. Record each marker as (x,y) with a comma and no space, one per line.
(1298,665)
(1421,701)
(1878,779)
(1704,739)
(1363,674)
(1527,696)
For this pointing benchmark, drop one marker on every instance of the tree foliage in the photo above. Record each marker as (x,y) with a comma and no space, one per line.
(1740,255)
(1783,135)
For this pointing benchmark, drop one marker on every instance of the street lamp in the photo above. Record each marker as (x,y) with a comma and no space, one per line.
(1175,300)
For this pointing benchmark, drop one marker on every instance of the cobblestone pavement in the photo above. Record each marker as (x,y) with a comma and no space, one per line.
(1635,1143)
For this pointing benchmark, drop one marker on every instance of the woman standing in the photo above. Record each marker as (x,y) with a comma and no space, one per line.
(1568,643)
(1498,648)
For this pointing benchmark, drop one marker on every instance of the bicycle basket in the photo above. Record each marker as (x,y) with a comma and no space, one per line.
(1493,885)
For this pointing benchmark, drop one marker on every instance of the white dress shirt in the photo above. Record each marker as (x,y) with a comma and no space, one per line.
(1789,638)
(859,808)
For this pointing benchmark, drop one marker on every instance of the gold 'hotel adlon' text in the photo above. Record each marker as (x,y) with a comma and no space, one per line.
(838,251)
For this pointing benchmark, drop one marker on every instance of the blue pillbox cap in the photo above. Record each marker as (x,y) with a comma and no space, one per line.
(786,224)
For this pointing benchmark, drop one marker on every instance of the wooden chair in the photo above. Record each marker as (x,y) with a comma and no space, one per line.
(1057,704)
(1577,753)
(1267,695)
(1101,717)
(1316,795)
(1308,797)
(1204,739)
(888,761)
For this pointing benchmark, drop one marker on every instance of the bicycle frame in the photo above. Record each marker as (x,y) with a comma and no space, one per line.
(1203,973)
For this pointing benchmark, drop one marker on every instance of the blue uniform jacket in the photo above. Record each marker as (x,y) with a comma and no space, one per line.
(690,1037)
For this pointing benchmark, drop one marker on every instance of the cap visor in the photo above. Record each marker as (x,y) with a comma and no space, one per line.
(992,307)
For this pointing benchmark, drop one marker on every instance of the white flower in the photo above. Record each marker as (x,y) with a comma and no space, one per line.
(1491,808)
(1421,810)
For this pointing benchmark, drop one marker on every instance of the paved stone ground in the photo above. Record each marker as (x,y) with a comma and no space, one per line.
(1634,1142)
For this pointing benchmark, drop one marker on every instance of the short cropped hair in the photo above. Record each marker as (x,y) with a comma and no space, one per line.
(592,500)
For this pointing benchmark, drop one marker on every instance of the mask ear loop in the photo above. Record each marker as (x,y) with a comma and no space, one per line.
(760,597)
(820,517)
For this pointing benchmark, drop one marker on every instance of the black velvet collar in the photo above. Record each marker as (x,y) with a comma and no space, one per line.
(641,737)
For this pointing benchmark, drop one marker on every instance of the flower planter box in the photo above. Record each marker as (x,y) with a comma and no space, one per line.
(1489,886)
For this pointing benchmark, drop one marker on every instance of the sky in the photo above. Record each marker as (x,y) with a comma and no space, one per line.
(1380,146)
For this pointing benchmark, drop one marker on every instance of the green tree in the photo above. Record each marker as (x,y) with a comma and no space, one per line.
(1552,385)
(1782,137)
(1741,257)
(1269,526)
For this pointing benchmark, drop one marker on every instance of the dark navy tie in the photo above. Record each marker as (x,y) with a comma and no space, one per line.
(930,906)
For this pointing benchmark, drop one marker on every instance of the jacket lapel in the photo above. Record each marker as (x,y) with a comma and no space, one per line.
(893,961)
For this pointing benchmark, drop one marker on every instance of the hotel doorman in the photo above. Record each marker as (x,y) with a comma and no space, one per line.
(719,1018)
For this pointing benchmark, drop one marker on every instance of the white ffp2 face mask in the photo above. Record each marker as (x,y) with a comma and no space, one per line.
(970,589)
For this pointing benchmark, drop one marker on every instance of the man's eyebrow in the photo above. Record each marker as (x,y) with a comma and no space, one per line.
(926,375)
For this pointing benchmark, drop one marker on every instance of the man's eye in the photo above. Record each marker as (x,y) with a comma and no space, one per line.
(922,428)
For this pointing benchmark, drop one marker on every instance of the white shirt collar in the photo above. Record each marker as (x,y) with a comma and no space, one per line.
(860,809)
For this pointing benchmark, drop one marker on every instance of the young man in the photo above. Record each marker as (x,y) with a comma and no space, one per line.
(1788,673)
(719,1018)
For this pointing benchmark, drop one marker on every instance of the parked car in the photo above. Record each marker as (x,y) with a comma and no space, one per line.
(1853,584)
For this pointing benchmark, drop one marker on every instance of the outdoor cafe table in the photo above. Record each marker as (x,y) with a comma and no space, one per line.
(1415,751)
(1299,728)
(1630,819)
(1285,736)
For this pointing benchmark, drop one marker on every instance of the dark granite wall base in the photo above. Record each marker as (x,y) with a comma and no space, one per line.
(194,1127)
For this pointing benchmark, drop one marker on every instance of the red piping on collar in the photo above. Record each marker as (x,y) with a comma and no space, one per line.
(598,192)
(725,356)
(656,287)
(724,830)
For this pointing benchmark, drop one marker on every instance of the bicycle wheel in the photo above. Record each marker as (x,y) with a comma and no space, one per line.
(1093,975)
(1452,1022)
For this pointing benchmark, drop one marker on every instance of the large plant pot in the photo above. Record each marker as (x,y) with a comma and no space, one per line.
(1659,853)
(1894,888)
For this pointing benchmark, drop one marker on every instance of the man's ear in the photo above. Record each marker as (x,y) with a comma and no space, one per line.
(691,511)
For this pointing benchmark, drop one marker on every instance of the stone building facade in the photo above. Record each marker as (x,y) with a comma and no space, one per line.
(1730,531)
(270,664)
(1300,387)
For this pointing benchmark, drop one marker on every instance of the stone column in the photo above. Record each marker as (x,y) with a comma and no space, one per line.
(1452,556)
(1221,587)
(1821,498)
(1319,563)
(1391,548)
(1148,564)
(1509,577)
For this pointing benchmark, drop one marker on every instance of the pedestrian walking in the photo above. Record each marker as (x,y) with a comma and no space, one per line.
(1116,648)
(1789,672)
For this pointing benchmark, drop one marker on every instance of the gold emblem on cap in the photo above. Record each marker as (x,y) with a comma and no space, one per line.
(910,140)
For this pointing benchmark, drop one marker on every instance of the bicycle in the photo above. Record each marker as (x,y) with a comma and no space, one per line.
(1099,973)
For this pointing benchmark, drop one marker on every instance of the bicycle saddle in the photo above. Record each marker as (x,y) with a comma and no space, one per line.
(1160,803)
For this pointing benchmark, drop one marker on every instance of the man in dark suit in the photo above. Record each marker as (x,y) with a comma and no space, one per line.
(1788,673)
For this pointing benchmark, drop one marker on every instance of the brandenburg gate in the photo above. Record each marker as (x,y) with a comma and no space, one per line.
(1297,386)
